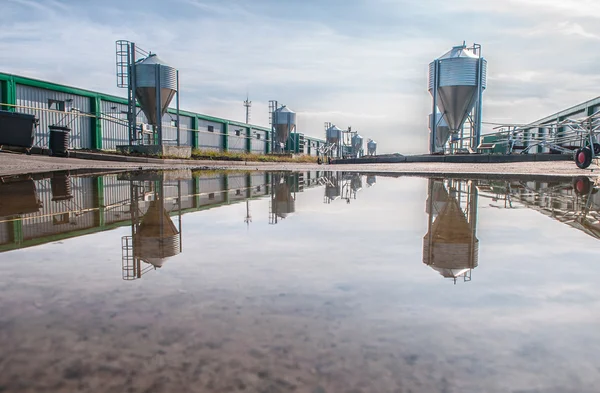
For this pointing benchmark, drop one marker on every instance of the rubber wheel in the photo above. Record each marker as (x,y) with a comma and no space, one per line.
(582,185)
(597,149)
(583,157)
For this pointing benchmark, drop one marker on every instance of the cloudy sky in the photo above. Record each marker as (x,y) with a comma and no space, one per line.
(359,63)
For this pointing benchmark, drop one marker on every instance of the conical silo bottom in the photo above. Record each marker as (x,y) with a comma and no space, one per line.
(451,247)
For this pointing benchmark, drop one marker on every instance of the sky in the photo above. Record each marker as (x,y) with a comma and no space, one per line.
(359,63)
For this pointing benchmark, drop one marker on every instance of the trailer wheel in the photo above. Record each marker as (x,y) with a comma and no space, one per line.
(583,157)
(582,185)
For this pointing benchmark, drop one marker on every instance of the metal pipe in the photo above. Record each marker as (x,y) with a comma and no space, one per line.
(158,103)
(177,103)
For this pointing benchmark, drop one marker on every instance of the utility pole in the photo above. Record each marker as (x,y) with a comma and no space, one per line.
(247,104)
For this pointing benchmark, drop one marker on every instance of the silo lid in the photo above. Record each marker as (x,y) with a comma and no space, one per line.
(334,128)
(459,51)
(285,109)
(152,59)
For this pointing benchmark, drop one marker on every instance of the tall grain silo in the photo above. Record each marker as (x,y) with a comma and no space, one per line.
(283,123)
(357,145)
(151,74)
(456,82)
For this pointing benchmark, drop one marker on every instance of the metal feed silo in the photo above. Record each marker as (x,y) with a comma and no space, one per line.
(357,145)
(371,147)
(284,122)
(442,132)
(152,73)
(333,134)
(456,82)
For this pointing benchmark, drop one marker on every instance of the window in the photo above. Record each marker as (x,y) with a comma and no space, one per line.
(238,132)
(56,105)
(211,195)
(211,129)
(257,136)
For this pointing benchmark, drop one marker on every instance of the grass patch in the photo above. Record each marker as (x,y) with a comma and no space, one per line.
(242,156)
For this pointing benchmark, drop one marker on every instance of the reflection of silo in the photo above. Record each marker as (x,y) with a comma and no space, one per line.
(451,246)
(18,197)
(284,202)
(332,187)
(371,180)
(157,238)
(437,197)
(356,182)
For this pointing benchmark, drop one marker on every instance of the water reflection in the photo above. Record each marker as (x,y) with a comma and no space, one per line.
(451,246)
(154,237)
(46,208)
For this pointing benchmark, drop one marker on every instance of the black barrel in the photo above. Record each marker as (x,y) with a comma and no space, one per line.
(17,129)
(59,141)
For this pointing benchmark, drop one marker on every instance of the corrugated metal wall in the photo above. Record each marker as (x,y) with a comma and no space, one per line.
(259,140)
(170,130)
(117,198)
(211,189)
(5,235)
(114,131)
(36,101)
(59,216)
(210,140)
(235,142)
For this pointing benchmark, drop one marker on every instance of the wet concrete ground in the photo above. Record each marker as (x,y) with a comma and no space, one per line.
(11,164)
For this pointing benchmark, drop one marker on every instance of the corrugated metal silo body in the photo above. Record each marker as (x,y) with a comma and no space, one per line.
(37,101)
(284,121)
(372,147)
(146,83)
(442,132)
(456,81)
(333,134)
(157,238)
(357,144)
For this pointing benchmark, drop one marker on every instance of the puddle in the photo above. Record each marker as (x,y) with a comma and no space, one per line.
(304,282)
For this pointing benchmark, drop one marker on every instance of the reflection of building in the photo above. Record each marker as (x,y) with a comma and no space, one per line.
(451,246)
(154,237)
(333,188)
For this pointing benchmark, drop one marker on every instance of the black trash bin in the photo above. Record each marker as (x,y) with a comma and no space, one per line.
(59,141)
(17,129)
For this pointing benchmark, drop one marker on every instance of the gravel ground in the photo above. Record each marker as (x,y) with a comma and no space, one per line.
(13,164)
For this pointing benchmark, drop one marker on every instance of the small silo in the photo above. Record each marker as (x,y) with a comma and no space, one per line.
(333,134)
(284,122)
(357,144)
(442,132)
(157,238)
(152,73)
(371,147)
(284,202)
(456,82)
